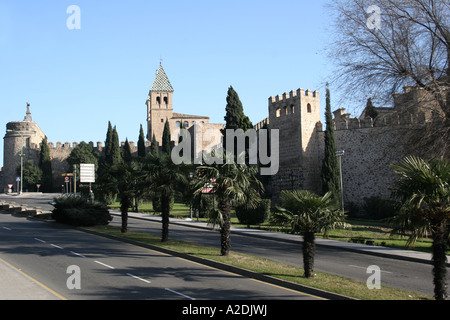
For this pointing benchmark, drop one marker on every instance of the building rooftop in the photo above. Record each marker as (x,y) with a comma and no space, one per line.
(161,82)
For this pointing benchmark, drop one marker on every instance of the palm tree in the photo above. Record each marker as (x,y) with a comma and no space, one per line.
(164,178)
(125,180)
(232,184)
(423,188)
(307,213)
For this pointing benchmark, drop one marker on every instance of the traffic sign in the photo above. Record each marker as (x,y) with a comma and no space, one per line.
(10,186)
(87,173)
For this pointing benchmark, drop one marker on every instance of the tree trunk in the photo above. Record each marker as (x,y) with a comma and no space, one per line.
(165,212)
(440,236)
(309,248)
(124,205)
(225,239)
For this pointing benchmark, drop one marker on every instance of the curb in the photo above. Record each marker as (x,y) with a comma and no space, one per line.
(299,241)
(225,267)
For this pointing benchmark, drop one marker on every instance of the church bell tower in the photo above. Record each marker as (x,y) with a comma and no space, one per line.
(159,105)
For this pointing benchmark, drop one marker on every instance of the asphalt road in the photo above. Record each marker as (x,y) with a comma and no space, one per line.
(112,270)
(396,273)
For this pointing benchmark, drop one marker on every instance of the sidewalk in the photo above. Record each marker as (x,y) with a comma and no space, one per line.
(410,255)
(16,285)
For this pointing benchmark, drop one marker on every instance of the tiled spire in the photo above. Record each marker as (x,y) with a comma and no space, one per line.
(161,82)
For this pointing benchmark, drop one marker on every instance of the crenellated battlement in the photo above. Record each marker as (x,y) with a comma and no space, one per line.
(67,146)
(342,120)
(294,94)
(261,124)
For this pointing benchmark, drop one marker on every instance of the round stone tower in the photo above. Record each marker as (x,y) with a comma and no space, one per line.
(21,143)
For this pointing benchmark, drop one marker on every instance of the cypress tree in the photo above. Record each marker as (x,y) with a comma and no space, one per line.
(108,143)
(234,117)
(370,109)
(126,152)
(166,145)
(330,167)
(154,149)
(46,166)
(115,148)
(141,143)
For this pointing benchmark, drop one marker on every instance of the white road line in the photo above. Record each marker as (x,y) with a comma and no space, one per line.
(179,293)
(136,277)
(104,264)
(54,245)
(7,228)
(77,254)
(350,265)
(37,239)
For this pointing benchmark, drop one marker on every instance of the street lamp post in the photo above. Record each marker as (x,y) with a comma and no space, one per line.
(340,154)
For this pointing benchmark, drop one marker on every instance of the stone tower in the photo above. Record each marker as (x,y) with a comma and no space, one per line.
(20,135)
(296,115)
(159,105)
(160,108)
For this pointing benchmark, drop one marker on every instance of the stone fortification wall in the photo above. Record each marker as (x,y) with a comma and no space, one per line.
(295,114)
(26,135)
(59,153)
(370,149)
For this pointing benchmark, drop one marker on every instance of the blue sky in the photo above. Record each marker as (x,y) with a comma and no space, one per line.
(78,80)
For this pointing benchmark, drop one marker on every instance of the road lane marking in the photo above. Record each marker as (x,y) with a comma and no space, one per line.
(179,293)
(54,245)
(136,277)
(252,279)
(77,254)
(7,228)
(351,265)
(104,264)
(34,280)
(37,239)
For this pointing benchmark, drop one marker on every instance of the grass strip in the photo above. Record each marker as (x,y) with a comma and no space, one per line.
(365,231)
(323,281)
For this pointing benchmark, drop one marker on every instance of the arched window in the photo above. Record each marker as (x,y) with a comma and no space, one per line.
(166,100)
(193,123)
(292,108)
(278,112)
(285,110)
(178,124)
(186,124)
(308,108)
(158,100)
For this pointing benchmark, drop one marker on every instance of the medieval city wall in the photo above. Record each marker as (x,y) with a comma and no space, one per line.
(295,114)
(370,149)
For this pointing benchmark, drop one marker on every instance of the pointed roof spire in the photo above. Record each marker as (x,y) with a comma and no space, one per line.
(161,82)
(28,116)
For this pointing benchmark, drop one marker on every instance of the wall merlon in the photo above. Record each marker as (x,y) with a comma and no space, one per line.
(342,121)
(292,96)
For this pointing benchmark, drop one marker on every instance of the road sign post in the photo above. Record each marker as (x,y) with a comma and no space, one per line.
(18,188)
(87,175)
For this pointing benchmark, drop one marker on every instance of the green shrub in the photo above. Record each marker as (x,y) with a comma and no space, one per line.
(75,211)
(254,216)
(204,205)
(156,202)
(378,208)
